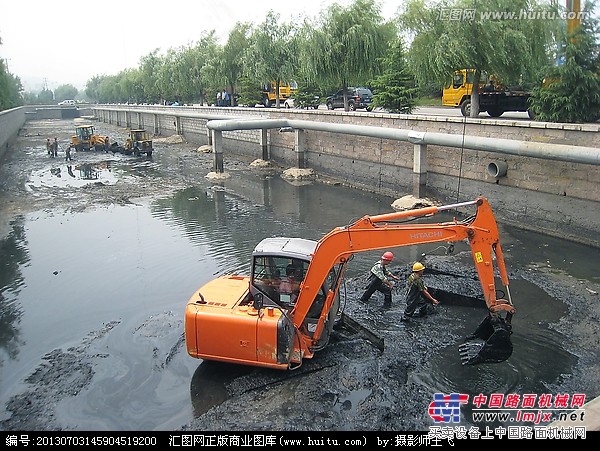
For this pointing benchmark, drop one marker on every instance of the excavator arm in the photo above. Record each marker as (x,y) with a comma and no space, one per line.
(391,230)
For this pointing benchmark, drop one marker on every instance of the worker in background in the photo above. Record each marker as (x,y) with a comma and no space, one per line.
(68,156)
(380,279)
(418,299)
(49,146)
(55,148)
(106,144)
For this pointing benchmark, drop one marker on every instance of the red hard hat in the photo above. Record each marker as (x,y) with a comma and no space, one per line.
(387,256)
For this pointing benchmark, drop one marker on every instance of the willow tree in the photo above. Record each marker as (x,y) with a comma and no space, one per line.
(345,45)
(272,55)
(507,38)
(229,65)
(186,67)
(150,64)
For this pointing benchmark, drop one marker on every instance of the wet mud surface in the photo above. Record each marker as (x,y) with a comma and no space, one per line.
(349,386)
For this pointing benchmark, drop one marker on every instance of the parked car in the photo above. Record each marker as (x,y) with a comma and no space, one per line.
(67,102)
(314,103)
(357,98)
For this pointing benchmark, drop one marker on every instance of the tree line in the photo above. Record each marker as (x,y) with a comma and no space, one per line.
(403,58)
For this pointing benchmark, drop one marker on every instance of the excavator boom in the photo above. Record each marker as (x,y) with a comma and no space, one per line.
(278,329)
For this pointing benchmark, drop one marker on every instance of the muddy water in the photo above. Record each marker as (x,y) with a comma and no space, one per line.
(92,296)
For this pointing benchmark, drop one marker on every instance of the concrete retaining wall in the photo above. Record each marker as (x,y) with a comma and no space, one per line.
(11,122)
(553,197)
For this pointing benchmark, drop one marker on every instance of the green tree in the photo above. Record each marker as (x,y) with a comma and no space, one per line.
(64,92)
(395,89)
(571,91)
(231,61)
(92,88)
(130,86)
(346,44)
(187,68)
(10,88)
(46,97)
(271,55)
(248,91)
(477,39)
(150,65)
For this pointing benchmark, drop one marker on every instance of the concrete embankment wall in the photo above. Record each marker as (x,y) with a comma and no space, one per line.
(11,122)
(554,197)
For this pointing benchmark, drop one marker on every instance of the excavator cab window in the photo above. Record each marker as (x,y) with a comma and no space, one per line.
(278,278)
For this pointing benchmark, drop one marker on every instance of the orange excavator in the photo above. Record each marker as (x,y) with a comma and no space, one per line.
(250,320)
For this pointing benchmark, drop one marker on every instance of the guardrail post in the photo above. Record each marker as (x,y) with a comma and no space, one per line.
(264,144)
(217,139)
(300,149)
(420,170)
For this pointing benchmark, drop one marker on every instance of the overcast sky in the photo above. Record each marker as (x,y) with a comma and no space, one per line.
(70,41)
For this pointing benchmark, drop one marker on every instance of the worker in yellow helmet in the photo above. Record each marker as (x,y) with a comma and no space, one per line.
(418,298)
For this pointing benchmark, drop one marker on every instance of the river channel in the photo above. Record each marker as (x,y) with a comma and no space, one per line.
(100,255)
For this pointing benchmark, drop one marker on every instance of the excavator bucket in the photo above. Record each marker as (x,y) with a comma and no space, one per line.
(490,343)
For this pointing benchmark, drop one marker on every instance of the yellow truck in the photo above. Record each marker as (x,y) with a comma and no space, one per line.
(269,92)
(494,97)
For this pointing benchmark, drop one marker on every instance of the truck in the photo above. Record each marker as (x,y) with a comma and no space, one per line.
(494,97)
(249,320)
(269,92)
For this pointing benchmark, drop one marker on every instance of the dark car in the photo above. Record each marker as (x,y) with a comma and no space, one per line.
(357,98)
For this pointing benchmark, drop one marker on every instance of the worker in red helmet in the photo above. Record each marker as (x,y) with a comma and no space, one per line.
(418,299)
(380,279)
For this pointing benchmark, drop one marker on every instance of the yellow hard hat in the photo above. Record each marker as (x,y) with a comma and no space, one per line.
(418,266)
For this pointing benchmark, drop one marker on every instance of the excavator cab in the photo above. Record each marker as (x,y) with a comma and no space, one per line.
(279,266)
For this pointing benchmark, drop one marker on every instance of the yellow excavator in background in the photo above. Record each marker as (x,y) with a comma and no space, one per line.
(252,320)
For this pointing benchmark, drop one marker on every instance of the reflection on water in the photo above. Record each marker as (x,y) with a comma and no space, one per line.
(139,264)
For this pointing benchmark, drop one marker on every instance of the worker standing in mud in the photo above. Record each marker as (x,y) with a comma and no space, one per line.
(380,279)
(49,147)
(418,298)
(68,154)
(55,148)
